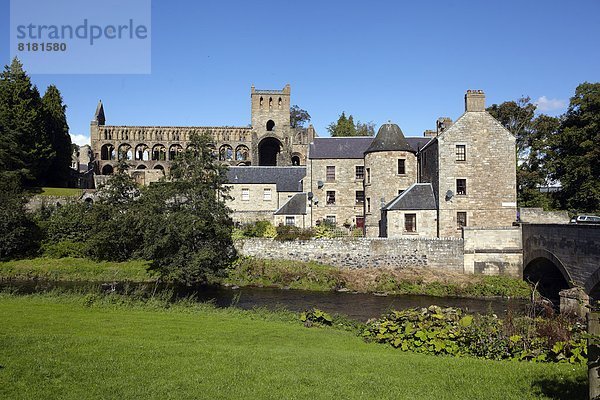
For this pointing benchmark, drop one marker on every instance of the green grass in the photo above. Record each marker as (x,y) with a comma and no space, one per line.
(75,269)
(49,191)
(73,347)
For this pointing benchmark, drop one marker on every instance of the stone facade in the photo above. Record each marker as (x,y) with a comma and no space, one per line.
(384,183)
(426,224)
(471,167)
(347,202)
(443,254)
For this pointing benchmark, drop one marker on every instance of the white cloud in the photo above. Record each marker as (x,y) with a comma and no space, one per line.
(80,139)
(545,104)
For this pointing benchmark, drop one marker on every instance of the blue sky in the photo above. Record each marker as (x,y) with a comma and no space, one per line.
(409,62)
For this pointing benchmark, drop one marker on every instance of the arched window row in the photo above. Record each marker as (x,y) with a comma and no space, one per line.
(226,135)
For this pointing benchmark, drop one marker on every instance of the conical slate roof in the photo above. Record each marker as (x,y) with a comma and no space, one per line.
(389,138)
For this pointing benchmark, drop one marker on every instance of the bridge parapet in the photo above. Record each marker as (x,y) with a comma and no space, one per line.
(572,249)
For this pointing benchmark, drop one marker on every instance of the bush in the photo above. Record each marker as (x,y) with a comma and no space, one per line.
(19,235)
(288,232)
(435,330)
(316,316)
(64,248)
(259,229)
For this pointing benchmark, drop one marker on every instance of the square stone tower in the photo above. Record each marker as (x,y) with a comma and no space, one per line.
(270,109)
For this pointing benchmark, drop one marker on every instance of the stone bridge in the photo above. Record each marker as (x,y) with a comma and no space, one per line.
(561,256)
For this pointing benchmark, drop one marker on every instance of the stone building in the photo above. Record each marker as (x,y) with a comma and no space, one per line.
(471,165)
(388,185)
(268,141)
(259,192)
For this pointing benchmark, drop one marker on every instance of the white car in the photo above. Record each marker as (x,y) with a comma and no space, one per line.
(585,219)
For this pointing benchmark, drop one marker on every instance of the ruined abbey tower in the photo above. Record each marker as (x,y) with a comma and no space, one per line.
(268,141)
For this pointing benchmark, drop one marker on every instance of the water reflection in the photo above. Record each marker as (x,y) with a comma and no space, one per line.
(354,305)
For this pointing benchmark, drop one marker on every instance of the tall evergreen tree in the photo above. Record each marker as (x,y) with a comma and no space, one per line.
(22,127)
(57,130)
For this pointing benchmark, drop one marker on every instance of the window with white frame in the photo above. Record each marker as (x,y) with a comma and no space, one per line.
(245,194)
(331,197)
(359,173)
(290,220)
(267,194)
(330,174)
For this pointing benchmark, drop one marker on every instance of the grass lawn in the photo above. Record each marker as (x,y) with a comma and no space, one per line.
(75,269)
(56,346)
(49,191)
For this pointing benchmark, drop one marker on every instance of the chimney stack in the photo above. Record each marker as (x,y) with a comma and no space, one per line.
(474,100)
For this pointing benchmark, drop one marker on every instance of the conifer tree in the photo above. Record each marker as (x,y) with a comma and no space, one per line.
(26,149)
(57,131)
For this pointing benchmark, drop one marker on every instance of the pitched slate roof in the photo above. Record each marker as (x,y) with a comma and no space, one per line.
(417,143)
(339,147)
(287,179)
(419,196)
(389,138)
(352,147)
(294,206)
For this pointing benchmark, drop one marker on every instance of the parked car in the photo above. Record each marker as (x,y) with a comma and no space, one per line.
(585,219)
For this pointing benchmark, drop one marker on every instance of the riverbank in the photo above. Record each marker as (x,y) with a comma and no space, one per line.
(312,276)
(282,274)
(90,346)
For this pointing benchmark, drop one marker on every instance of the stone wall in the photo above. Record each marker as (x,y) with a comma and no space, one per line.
(539,216)
(441,254)
(37,202)
(493,251)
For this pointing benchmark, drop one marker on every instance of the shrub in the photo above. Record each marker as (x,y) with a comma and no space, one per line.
(64,248)
(259,229)
(316,316)
(288,232)
(436,330)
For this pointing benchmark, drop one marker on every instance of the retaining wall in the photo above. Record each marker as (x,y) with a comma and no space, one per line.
(446,254)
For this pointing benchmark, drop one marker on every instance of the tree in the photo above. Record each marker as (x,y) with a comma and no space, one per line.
(22,127)
(19,236)
(298,117)
(57,130)
(531,133)
(116,215)
(345,126)
(574,154)
(185,222)
(365,128)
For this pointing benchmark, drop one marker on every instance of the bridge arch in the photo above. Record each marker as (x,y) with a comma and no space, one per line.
(592,285)
(545,269)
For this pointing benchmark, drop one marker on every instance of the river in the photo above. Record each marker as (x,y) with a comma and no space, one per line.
(359,306)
